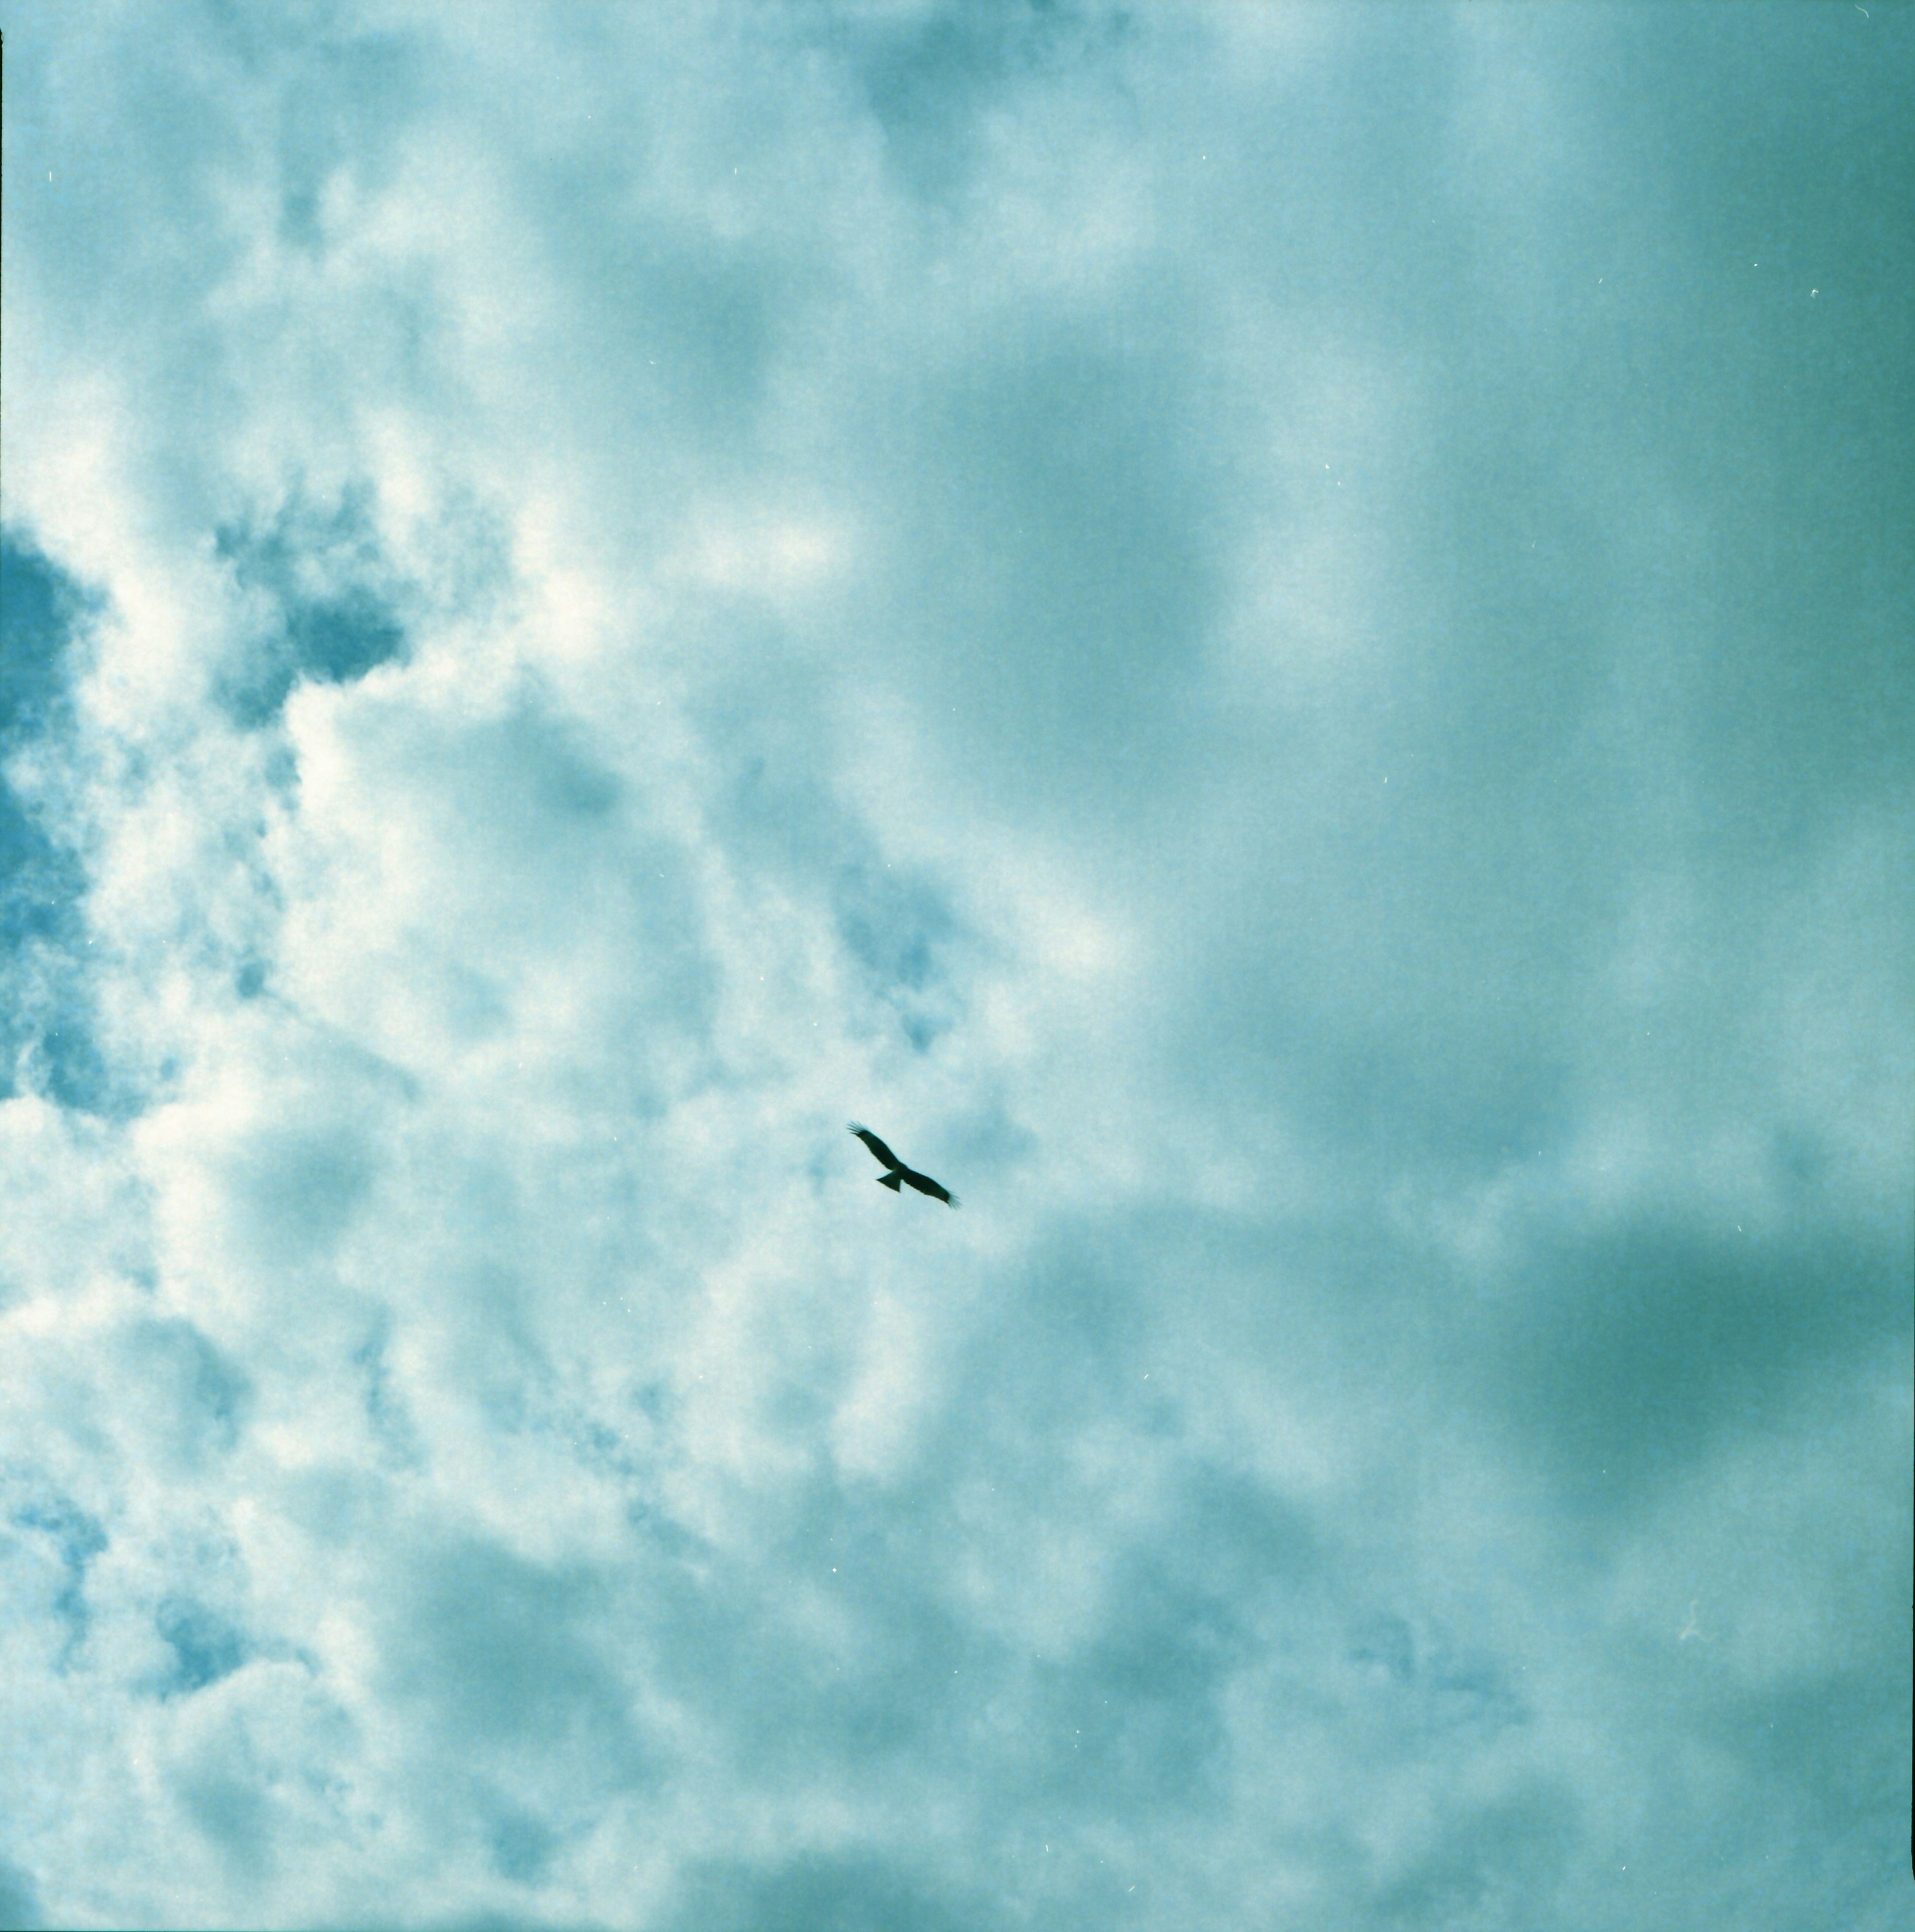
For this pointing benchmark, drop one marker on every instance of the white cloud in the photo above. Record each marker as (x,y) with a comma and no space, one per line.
(665,580)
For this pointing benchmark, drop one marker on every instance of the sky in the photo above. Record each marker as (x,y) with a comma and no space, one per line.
(1277,640)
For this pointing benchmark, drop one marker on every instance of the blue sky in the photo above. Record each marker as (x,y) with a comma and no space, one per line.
(1276,641)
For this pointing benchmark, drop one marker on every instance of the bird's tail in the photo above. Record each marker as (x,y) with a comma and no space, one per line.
(892,1181)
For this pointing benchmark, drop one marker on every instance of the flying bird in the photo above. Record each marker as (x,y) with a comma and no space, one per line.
(897,1174)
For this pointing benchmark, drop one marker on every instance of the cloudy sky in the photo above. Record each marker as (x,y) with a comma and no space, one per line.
(1275,640)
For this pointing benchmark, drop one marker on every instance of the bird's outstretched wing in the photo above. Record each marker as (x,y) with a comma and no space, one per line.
(925,1185)
(877,1147)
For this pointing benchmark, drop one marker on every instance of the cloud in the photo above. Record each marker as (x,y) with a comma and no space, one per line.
(1271,641)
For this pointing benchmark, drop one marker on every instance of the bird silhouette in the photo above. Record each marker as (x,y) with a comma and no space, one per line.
(896,1175)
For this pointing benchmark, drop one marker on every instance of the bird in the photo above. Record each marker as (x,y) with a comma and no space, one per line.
(897,1173)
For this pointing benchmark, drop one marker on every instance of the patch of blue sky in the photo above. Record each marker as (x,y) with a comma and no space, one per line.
(326,597)
(205,1647)
(19,1898)
(47,1039)
(40,608)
